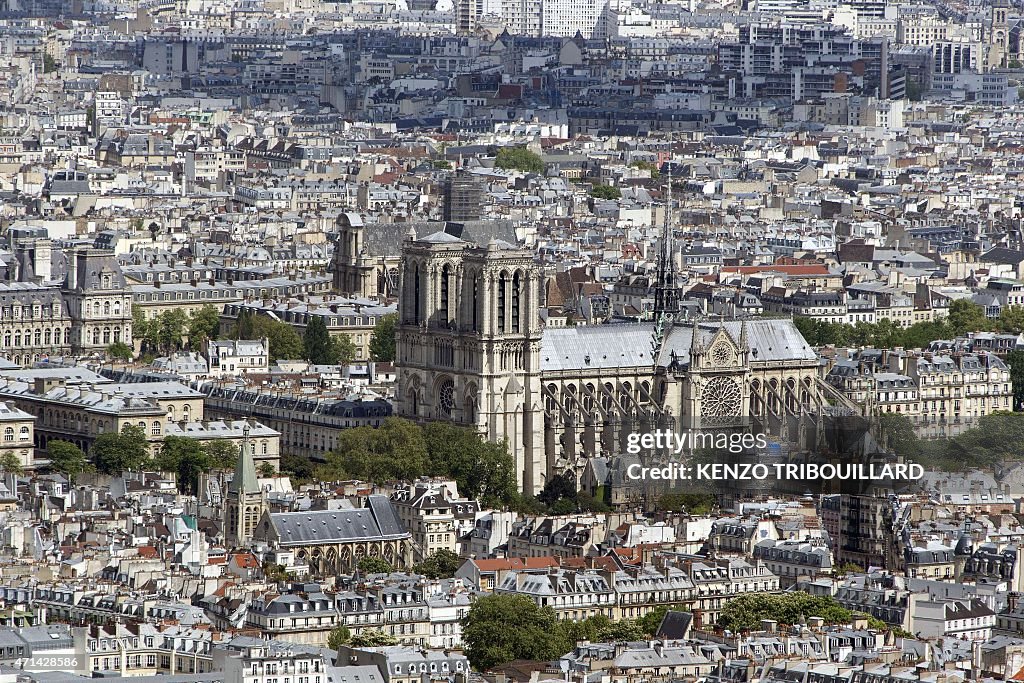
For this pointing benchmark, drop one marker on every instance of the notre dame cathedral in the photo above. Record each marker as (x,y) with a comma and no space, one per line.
(471,349)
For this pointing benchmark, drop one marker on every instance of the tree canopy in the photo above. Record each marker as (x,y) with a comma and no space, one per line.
(745,612)
(114,452)
(67,458)
(186,458)
(10,463)
(518,159)
(316,342)
(204,324)
(339,636)
(382,341)
(441,564)
(605,192)
(119,351)
(402,450)
(964,316)
(284,341)
(374,565)
(502,628)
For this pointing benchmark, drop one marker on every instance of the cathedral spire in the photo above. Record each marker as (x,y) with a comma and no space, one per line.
(666,302)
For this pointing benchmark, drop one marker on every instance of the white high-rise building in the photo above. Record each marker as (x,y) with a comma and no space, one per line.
(556,17)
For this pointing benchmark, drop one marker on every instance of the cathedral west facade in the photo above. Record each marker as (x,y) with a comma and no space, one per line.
(470,348)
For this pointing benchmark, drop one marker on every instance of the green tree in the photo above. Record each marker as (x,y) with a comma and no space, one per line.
(605,192)
(144,329)
(899,435)
(481,469)
(275,572)
(245,325)
(266,470)
(690,503)
(1011,320)
(374,565)
(848,568)
(373,639)
(343,350)
(339,636)
(298,467)
(920,335)
(745,612)
(171,328)
(10,464)
(441,564)
(284,341)
(203,324)
(966,316)
(395,450)
(316,342)
(808,328)
(558,487)
(625,630)
(48,64)
(114,452)
(67,458)
(647,166)
(519,159)
(186,458)
(998,437)
(501,628)
(1015,361)
(221,454)
(120,351)
(382,341)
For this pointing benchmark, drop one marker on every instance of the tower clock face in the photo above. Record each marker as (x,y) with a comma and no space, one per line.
(721,398)
(721,354)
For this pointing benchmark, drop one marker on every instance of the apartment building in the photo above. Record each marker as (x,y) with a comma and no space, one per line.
(943,393)
(435,515)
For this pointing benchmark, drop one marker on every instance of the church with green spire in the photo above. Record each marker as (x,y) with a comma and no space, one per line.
(245,500)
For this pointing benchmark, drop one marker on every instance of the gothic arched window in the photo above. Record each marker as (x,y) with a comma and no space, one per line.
(445,310)
(516,284)
(502,282)
(476,303)
(416,295)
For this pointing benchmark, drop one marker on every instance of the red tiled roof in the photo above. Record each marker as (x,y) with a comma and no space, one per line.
(516,563)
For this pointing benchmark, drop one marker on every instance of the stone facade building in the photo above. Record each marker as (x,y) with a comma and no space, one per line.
(470,348)
(334,541)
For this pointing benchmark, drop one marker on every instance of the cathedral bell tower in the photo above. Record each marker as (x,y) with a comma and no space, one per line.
(468,343)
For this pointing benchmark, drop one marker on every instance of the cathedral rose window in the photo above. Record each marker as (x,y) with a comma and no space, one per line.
(721,398)
(721,354)
(446,396)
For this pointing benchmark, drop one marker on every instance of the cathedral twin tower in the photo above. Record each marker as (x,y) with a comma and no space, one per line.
(468,343)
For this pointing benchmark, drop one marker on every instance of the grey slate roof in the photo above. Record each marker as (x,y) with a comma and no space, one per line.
(629,345)
(377,521)
(385,239)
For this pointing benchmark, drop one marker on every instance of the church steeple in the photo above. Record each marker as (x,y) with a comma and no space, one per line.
(245,480)
(244,503)
(666,296)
